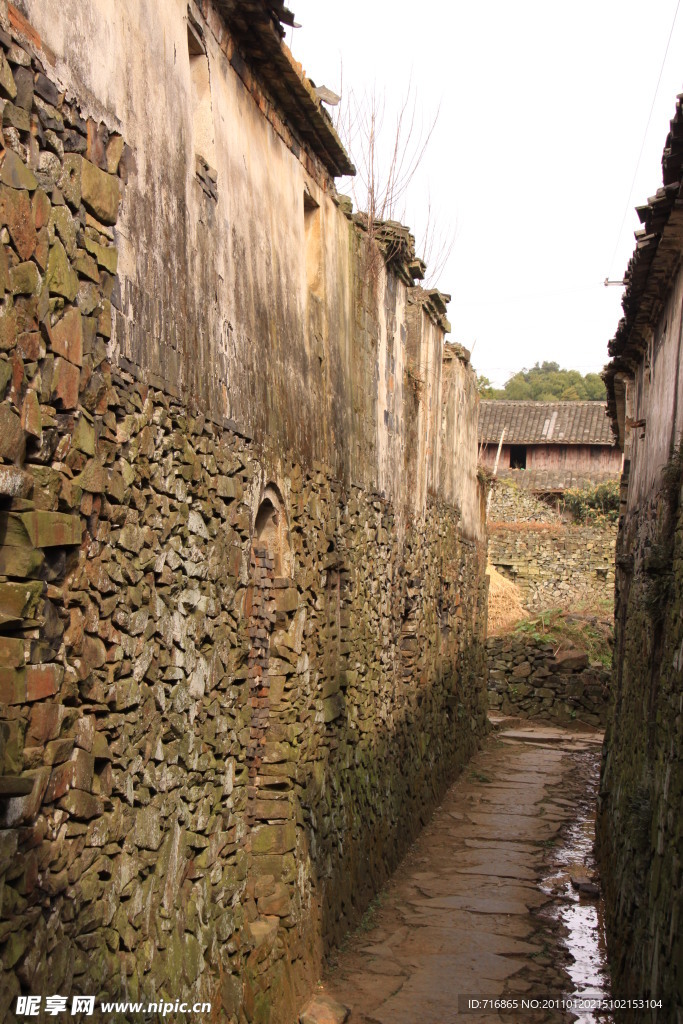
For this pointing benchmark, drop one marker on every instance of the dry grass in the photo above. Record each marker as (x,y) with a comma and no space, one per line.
(591,630)
(505,603)
(588,625)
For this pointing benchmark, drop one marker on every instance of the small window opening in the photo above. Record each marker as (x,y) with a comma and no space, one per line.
(518,456)
(267,532)
(271,533)
(313,244)
(202,114)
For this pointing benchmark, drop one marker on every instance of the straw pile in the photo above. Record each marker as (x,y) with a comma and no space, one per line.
(505,605)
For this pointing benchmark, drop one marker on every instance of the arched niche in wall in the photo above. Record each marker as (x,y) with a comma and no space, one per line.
(271,531)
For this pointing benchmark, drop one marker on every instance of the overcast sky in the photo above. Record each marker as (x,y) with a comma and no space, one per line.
(542,109)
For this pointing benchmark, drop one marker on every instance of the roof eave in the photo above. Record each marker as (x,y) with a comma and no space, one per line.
(655,261)
(257,31)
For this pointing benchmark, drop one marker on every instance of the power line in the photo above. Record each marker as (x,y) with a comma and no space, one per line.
(642,145)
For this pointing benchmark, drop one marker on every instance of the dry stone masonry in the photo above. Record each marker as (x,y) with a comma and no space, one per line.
(533,679)
(234,678)
(554,563)
(640,830)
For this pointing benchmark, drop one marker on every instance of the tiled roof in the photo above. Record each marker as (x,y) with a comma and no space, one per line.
(545,423)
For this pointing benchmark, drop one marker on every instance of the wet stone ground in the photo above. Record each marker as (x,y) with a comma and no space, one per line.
(486,904)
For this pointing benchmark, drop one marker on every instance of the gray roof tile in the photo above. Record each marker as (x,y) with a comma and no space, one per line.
(545,423)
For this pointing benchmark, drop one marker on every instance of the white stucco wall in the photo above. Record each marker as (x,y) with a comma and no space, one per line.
(219,298)
(656,396)
(458,483)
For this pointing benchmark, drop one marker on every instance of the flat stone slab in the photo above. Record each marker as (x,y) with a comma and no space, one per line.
(464,913)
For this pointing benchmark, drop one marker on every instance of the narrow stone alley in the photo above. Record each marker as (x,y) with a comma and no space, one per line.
(272,551)
(487,903)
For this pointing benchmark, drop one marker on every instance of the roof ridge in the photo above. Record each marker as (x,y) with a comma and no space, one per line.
(537,401)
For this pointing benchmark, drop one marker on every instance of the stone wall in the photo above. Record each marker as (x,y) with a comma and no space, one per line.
(554,563)
(640,830)
(226,762)
(235,677)
(512,503)
(640,826)
(530,678)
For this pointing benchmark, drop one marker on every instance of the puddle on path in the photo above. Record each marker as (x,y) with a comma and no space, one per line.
(581,915)
(464,914)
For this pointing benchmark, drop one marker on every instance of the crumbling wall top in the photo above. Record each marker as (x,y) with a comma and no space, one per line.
(650,269)
(256,26)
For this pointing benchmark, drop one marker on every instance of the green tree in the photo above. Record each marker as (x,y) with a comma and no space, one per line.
(486,388)
(595,387)
(547,382)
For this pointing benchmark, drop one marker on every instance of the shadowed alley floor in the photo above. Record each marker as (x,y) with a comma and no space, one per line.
(477,906)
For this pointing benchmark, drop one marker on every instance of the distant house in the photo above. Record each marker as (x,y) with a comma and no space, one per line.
(549,446)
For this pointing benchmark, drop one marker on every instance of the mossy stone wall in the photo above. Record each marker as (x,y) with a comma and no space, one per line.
(233,685)
(640,826)
(533,679)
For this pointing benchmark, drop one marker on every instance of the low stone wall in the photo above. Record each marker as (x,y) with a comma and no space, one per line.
(529,678)
(555,565)
(553,562)
(511,503)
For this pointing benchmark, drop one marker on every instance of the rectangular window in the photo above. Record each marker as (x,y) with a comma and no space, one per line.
(202,113)
(313,244)
(518,456)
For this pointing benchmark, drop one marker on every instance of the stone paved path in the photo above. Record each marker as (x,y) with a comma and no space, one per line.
(464,914)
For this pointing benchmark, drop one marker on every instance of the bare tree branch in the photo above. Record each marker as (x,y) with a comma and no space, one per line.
(387,158)
(436,245)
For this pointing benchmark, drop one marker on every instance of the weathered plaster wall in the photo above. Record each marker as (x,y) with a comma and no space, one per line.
(457,474)
(656,400)
(236,676)
(223,287)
